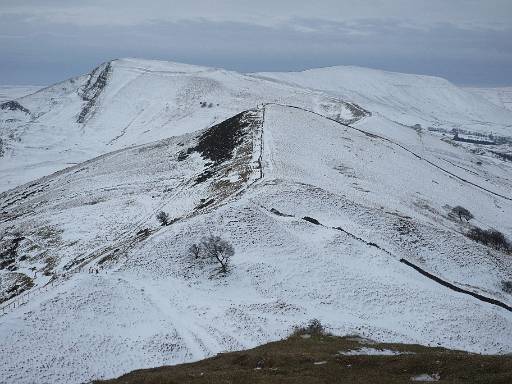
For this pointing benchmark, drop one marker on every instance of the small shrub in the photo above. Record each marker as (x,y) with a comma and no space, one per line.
(314,328)
(506,286)
(163,218)
(461,213)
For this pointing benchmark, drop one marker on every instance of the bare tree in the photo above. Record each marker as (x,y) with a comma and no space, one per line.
(462,213)
(195,251)
(218,249)
(163,218)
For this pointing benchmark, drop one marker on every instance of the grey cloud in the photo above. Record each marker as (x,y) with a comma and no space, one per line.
(457,11)
(43,52)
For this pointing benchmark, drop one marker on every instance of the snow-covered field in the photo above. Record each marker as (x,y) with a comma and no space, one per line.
(320,215)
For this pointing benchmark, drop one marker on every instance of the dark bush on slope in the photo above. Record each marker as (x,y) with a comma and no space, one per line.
(218,142)
(313,328)
(163,218)
(506,286)
(489,237)
(461,213)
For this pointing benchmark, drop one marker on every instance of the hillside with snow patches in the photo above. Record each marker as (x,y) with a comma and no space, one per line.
(337,210)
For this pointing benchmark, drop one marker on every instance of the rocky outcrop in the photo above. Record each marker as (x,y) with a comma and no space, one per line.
(13,105)
(92,89)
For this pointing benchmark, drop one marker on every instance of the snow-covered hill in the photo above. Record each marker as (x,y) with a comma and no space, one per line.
(128,102)
(323,218)
(406,99)
(132,101)
(501,96)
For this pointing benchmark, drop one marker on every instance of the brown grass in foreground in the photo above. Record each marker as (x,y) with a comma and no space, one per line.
(308,359)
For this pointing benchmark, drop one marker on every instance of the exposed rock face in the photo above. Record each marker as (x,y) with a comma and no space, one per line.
(13,105)
(92,89)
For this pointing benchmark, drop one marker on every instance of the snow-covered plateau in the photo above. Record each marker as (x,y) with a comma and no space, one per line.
(335,187)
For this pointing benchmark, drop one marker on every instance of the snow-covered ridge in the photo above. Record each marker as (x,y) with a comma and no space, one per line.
(302,198)
(129,102)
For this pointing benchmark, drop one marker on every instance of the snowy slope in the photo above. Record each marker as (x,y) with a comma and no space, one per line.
(406,99)
(370,202)
(501,96)
(129,102)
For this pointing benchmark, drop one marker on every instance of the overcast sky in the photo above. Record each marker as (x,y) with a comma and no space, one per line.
(467,41)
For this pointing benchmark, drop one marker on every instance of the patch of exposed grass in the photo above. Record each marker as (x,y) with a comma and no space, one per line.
(317,359)
(14,284)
